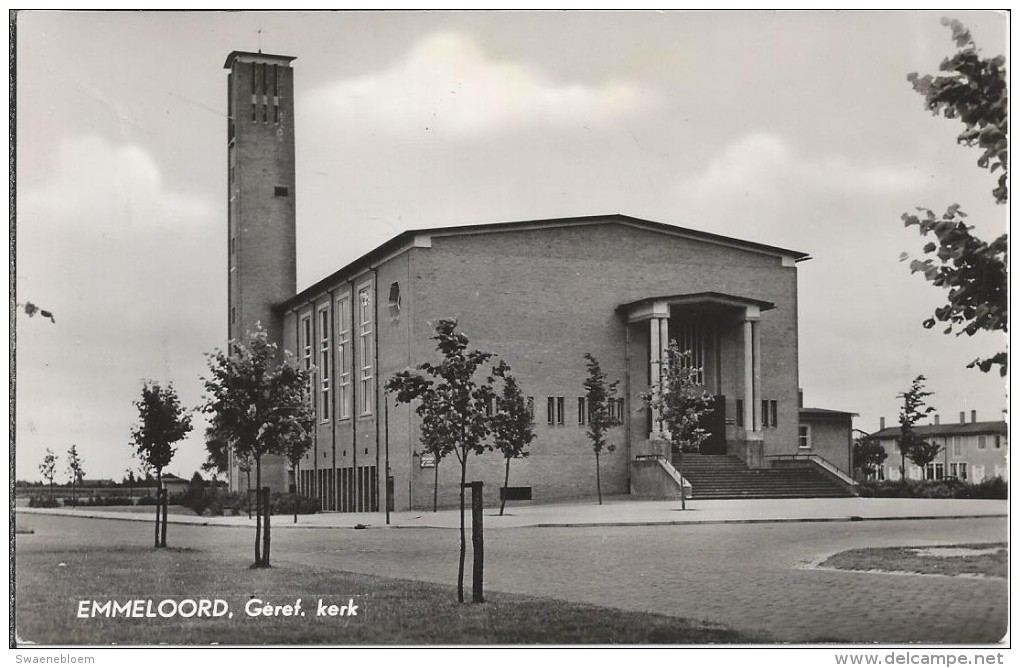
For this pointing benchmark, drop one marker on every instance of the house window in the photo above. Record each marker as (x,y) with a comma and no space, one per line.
(554,410)
(982,442)
(958,470)
(956,446)
(324,369)
(365,347)
(998,442)
(934,471)
(343,346)
(880,473)
(804,436)
(582,412)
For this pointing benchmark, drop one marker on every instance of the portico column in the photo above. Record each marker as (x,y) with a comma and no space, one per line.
(748,376)
(756,348)
(655,367)
(752,370)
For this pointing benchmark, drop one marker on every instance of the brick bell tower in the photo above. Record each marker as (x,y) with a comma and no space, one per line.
(261,228)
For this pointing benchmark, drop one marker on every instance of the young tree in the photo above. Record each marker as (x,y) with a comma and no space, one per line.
(294,448)
(258,404)
(217,458)
(162,421)
(972,89)
(681,401)
(512,425)
(868,455)
(76,470)
(48,468)
(452,407)
(600,398)
(914,409)
(923,452)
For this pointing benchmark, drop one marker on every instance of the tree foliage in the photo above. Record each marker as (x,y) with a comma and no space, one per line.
(75,469)
(453,407)
(913,410)
(48,467)
(600,397)
(681,400)
(513,427)
(868,454)
(258,404)
(973,90)
(162,421)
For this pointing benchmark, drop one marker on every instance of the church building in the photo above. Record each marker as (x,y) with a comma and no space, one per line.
(539,294)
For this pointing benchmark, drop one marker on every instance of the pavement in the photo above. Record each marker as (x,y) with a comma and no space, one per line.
(616,511)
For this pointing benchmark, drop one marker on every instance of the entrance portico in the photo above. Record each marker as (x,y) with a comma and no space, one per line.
(722,334)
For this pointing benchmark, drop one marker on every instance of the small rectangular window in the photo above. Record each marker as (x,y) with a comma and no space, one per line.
(281,191)
(774,408)
(998,442)
(804,436)
(982,442)
(560,401)
(765,414)
(582,413)
(550,410)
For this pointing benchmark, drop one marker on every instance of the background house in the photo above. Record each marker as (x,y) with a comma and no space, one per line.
(971,451)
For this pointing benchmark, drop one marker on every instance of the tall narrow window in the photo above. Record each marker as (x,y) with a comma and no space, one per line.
(560,401)
(582,412)
(804,436)
(690,339)
(550,410)
(531,408)
(956,446)
(740,412)
(343,362)
(982,442)
(766,416)
(306,341)
(325,395)
(365,347)
(774,409)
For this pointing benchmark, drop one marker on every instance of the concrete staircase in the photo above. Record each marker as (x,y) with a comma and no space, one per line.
(727,477)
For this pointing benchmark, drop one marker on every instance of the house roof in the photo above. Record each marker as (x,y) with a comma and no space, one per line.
(995,427)
(404,238)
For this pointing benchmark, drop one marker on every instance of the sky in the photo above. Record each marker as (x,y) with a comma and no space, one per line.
(795,129)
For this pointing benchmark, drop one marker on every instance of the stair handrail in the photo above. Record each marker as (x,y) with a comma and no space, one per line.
(821,461)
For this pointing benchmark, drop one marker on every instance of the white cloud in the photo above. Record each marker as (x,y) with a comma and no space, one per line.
(448,86)
(118,186)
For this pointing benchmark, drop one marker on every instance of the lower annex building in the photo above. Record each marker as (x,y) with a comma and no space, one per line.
(539,294)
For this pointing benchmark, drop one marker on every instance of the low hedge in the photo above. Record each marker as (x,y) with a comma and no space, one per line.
(215,502)
(949,488)
(43,502)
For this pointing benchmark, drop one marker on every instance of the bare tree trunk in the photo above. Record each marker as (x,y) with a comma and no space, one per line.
(463,541)
(159,503)
(679,470)
(435,489)
(294,469)
(506,483)
(258,511)
(248,493)
(598,477)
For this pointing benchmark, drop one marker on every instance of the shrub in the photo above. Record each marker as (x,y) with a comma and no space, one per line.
(42,502)
(146,501)
(949,488)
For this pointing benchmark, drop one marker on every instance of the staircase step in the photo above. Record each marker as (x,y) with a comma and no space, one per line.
(727,477)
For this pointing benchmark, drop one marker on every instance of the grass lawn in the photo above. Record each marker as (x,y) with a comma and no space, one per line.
(987,559)
(52,580)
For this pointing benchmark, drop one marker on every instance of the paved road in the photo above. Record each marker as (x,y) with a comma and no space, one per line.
(749,577)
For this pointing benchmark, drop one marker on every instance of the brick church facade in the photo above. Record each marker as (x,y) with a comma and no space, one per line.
(539,294)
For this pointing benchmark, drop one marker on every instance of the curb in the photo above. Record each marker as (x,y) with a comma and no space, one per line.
(541,525)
